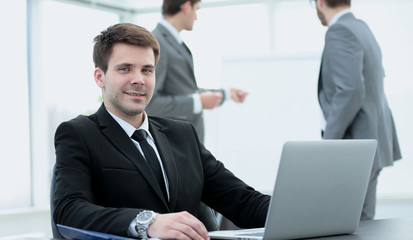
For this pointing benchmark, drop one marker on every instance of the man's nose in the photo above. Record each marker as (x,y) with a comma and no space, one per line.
(138,79)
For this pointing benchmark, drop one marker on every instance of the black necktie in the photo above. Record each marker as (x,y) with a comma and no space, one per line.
(150,155)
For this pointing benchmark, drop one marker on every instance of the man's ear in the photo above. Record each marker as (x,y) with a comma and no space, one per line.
(99,74)
(186,6)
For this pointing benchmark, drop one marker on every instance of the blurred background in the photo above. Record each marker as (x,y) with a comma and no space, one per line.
(271,48)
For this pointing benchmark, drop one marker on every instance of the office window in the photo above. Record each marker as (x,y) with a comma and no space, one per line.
(68,32)
(14,105)
(62,77)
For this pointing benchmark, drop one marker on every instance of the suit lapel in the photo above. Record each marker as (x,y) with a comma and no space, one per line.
(111,129)
(168,161)
(181,48)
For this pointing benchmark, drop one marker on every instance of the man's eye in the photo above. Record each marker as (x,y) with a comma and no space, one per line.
(124,69)
(147,70)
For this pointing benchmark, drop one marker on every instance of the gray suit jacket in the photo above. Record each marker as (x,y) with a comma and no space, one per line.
(175,82)
(351,91)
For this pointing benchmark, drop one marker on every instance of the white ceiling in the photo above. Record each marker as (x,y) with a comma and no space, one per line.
(136,6)
(131,4)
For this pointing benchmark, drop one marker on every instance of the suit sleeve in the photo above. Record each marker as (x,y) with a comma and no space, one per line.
(73,196)
(221,90)
(345,63)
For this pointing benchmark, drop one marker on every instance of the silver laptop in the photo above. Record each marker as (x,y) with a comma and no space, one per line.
(319,191)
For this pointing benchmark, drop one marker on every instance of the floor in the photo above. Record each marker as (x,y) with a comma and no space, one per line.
(402,208)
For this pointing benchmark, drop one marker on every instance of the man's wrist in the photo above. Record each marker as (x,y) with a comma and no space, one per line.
(144,220)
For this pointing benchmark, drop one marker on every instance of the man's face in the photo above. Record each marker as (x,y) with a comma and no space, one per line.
(129,82)
(191,16)
(321,15)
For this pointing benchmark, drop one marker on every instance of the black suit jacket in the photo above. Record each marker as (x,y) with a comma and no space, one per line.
(102,181)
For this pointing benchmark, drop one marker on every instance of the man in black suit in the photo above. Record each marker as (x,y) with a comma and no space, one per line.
(104,181)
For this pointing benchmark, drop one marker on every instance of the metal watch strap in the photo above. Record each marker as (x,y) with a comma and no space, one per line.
(142,226)
(142,231)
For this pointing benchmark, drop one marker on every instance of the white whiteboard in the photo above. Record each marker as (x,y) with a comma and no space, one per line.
(282,105)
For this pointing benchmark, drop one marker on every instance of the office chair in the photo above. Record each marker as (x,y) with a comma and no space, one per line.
(55,231)
(206,215)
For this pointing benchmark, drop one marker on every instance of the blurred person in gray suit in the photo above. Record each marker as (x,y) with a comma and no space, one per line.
(351,91)
(177,94)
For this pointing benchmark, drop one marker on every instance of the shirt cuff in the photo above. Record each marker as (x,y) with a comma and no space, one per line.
(227,94)
(132,229)
(197,103)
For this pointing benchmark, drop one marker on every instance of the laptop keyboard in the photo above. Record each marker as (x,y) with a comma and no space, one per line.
(255,234)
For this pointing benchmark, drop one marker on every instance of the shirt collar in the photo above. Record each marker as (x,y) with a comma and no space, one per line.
(337,16)
(171,29)
(129,129)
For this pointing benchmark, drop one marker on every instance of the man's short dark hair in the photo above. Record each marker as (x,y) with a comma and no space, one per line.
(337,3)
(172,7)
(122,33)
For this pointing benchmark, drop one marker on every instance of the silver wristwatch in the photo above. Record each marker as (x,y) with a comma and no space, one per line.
(143,220)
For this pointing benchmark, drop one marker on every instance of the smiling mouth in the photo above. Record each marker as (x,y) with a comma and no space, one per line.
(136,94)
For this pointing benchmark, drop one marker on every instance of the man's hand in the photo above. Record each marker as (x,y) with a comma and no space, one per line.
(180,225)
(210,100)
(238,95)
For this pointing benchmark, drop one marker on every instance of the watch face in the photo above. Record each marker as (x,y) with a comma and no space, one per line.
(144,216)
